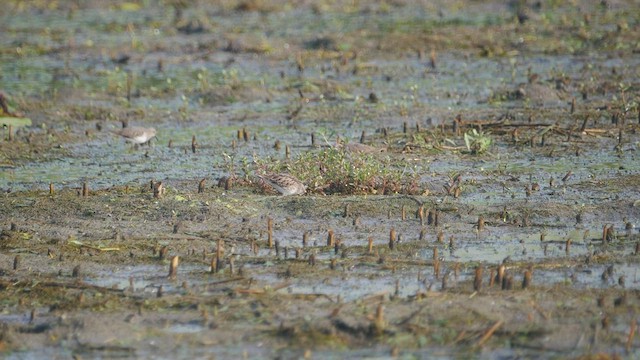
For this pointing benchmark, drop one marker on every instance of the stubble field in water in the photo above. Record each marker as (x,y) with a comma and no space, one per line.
(495,217)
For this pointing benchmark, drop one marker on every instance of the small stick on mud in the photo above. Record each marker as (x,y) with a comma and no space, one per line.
(158,190)
(163,253)
(403,215)
(287,152)
(305,239)
(420,215)
(201,186)
(219,254)
(573,105)
(480,223)
(526,280)
(436,268)
(213,265)
(370,250)
(431,218)
(194,144)
(487,335)
(173,267)
(330,238)
(76,271)
(85,189)
(392,238)
(51,189)
(507,282)
(567,246)
(500,274)
(632,332)
(378,323)
(313,139)
(270,232)
(477,281)
(432,59)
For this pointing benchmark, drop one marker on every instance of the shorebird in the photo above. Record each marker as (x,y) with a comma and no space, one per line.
(137,135)
(285,184)
(360,148)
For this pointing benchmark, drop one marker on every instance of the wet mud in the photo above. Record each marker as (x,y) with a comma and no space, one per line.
(471,168)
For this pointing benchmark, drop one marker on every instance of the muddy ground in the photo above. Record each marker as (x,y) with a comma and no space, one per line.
(494,216)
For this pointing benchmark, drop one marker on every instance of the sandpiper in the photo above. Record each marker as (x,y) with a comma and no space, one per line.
(360,148)
(137,135)
(285,184)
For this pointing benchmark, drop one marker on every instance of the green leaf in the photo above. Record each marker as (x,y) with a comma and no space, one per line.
(14,121)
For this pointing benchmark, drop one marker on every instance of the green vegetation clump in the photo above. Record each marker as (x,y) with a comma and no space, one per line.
(337,171)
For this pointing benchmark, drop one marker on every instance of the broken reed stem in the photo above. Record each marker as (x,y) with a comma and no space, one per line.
(219,255)
(526,280)
(487,335)
(51,189)
(477,281)
(378,324)
(214,264)
(632,332)
(173,267)
(270,232)
(392,238)
(330,238)
(158,190)
(371,244)
(500,274)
